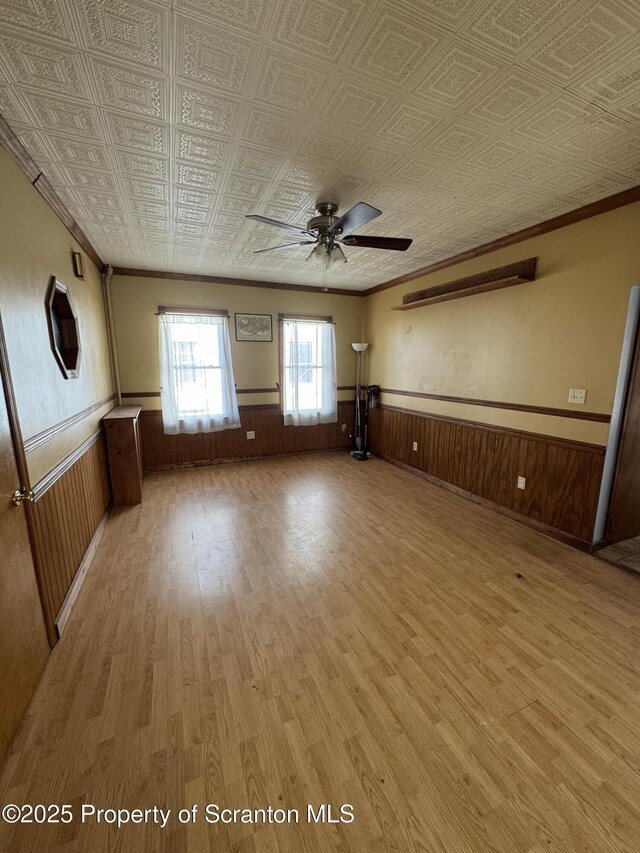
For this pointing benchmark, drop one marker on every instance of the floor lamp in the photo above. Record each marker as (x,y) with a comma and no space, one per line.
(360,453)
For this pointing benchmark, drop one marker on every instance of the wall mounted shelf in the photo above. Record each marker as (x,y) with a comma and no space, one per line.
(483,282)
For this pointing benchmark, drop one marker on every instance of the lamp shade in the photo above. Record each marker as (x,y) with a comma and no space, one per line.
(337,255)
(360,347)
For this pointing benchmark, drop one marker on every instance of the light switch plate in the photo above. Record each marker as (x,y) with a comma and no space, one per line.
(577,395)
(522,482)
(415,445)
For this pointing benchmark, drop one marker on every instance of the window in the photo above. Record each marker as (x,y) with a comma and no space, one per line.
(198,390)
(63,329)
(308,366)
(302,352)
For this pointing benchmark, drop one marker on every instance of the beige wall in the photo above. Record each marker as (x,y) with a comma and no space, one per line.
(34,246)
(527,344)
(135,301)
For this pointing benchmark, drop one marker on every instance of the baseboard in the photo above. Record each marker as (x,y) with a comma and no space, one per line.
(205,463)
(67,605)
(540,526)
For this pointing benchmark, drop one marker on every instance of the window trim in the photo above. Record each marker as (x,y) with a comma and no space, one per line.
(306,318)
(210,312)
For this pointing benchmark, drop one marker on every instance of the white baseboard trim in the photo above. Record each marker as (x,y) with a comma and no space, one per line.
(70,598)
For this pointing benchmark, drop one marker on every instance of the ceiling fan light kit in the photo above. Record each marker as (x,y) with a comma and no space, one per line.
(328,232)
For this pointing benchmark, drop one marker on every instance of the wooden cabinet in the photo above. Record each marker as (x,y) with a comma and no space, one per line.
(125,460)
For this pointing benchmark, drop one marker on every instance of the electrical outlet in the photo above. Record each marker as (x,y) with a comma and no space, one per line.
(415,445)
(577,395)
(522,482)
(251,434)
(344,427)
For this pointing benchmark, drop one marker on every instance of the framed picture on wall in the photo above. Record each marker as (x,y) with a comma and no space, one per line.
(254,327)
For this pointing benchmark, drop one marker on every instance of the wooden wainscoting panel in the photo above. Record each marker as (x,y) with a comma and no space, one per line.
(64,519)
(563,477)
(162,451)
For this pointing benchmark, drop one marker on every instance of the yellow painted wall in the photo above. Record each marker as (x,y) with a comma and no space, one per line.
(135,301)
(34,246)
(527,344)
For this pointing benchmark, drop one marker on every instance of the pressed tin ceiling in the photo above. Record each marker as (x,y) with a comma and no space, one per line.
(161,124)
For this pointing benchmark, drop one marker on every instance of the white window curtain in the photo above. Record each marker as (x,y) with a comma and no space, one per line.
(309,393)
(196,374)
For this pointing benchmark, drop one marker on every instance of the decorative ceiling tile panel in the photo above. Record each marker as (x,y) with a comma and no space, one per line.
(550,119)
(42,66)
(196,177)
(196,198)
(256,161)
(609,86)
(162,124)
(408,124)
(582,41)
(457,139)
(146,190)
(506,101)
(190,214)
(509,26)
(456,75)
(235,206)
(631,111)
(131,29)
(396,46)
(130,132)
(591,135)
(88,179)
(235,223)
(247,15)
(304,173)
(451,13)
(99,201)
(199,108)
(72,117)
(531,167)
(496,156)
(242,185)
(13,106)
(141,166)
(134,92)
(291,196)
(300,27)
(354,106)
(287,84)
(198,148)
(78,152)
(37,16)
(208,56)
(149,208)
(271,129)
(326,144)
(149,223)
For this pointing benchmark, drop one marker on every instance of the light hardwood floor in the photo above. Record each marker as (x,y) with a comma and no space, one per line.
(312,629)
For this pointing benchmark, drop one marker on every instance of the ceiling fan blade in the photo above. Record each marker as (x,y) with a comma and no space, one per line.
(359,215)
(267,221)
(400,244)
(285,246)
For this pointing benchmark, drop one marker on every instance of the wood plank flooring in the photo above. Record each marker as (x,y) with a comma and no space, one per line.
(316,630)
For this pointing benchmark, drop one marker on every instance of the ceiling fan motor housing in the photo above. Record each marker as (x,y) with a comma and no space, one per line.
(326,211)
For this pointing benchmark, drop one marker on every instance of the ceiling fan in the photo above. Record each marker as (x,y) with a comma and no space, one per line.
(327,231)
